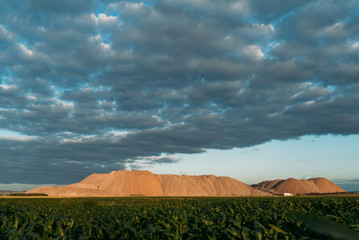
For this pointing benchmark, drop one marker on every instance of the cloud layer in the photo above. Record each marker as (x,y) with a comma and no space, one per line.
(95,86)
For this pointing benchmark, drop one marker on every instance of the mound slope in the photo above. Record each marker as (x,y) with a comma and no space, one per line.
(145,183)
(299,186)
(205,185)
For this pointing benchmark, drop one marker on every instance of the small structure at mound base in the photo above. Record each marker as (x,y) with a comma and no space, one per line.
(287,194)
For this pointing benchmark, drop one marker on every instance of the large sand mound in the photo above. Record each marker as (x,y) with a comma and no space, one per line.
(296,186)
(205,185)
(123,183)
(145,183)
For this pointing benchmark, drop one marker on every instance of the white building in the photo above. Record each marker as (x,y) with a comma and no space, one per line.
(287,194)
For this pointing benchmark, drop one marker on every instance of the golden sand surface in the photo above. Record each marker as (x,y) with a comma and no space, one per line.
(145,183)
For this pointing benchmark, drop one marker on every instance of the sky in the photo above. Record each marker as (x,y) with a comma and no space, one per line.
(253,90)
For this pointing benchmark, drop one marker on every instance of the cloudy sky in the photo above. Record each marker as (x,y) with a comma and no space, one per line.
(238,88)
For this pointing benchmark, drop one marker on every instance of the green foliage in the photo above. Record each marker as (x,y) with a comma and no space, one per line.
(180,218)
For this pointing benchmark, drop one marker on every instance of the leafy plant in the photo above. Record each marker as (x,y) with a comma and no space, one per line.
(180,218)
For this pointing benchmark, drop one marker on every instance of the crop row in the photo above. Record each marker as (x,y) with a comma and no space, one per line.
(180,218)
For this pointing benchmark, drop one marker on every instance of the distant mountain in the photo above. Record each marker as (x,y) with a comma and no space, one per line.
(145,183)
(299,186)
(7,192)
(4,192)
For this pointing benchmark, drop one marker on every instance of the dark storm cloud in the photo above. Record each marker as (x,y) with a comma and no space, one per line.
(269,11)
(63,6)
(96,86)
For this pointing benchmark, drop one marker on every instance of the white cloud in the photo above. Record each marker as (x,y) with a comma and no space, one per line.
(7,87)
(355,45)
(15,136)
(97,38)
(25,50)
(333,29)
(239,7)
(31,98)
(127,6)
(104,19)
(268,28)
(254,52)
(105,46)
(120,133)
(127,167)
(64,104)
(5,34)
(83,139)
(142,162)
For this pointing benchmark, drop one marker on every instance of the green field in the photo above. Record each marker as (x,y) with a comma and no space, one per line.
(180,218)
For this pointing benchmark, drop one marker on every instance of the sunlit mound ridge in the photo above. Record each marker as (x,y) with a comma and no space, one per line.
(145,183)
(299,186)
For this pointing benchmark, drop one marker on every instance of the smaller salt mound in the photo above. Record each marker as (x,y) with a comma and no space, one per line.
(296,186)
(326,186)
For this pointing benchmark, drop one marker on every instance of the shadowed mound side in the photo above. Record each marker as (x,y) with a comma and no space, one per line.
(145,183)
